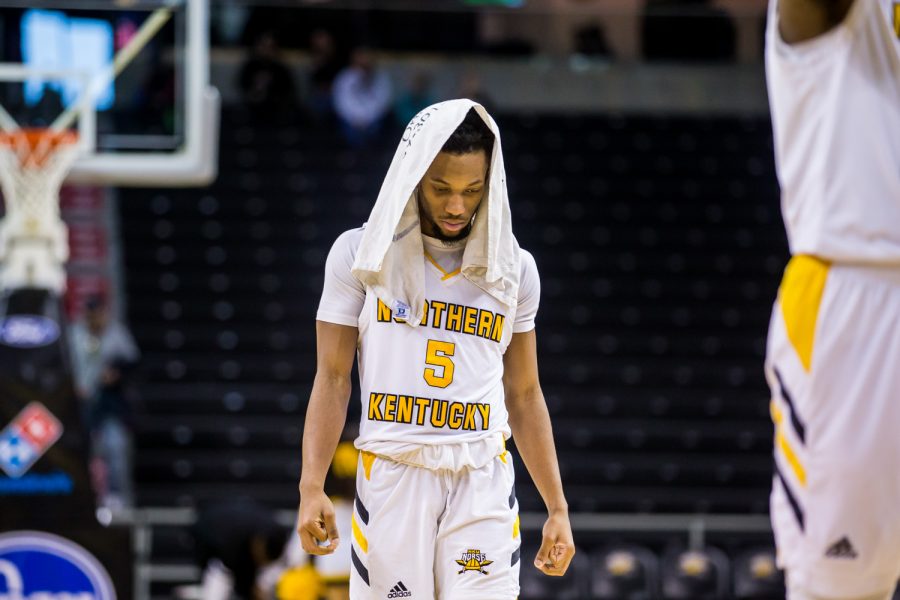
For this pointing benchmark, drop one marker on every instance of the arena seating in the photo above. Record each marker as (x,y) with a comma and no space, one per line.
(660,245)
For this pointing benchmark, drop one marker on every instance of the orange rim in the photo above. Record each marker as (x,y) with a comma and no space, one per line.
(35,145)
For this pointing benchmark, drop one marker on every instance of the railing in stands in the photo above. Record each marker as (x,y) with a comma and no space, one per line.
(143,520)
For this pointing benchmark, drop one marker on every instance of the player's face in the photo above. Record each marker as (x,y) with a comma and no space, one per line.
(451,192)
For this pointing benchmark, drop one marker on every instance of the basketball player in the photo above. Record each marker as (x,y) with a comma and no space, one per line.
(435,514)
(833,360)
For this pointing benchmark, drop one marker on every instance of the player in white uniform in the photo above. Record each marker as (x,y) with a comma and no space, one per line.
(833,360)
(435,514)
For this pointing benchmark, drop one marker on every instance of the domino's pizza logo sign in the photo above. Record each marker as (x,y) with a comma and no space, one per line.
(28,331)
(41,566)
(27,438)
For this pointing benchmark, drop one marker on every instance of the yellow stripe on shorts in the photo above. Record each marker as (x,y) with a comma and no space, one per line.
(516,528)
(897,18)
(368,459)
(786,450)
(800,297)
(358,535)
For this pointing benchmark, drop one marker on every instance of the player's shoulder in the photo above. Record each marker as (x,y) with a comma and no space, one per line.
(800,32)
(343,250)
(350,239)
(527,263)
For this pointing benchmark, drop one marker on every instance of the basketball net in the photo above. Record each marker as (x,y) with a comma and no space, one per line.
(34,243)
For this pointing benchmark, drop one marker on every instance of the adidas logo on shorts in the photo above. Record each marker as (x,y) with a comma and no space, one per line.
(841,549)
(399,591)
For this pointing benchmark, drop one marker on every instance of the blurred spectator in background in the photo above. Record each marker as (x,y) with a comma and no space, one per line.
(300,583)
(325,64)
(362,98)
(228,20)
(239,547)
(103,353)
(265,81)
(414,98)
(470,87)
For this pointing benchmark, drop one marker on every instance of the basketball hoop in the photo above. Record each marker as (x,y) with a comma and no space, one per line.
(34,243)
(33,239)
(33,147)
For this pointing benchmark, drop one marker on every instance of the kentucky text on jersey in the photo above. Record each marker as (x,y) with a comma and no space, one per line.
(454,317)
(414,410)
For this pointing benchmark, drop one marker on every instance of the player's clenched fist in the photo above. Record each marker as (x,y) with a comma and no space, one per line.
(317,528)
(557,546)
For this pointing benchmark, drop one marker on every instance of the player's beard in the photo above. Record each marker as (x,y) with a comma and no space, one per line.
(436,231)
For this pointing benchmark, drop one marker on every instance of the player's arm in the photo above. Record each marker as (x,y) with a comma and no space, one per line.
(802,20)
(530,424)
(325,416)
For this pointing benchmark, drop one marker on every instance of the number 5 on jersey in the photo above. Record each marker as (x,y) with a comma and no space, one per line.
(437,355)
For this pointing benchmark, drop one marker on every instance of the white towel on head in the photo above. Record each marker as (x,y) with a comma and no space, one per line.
(389,259)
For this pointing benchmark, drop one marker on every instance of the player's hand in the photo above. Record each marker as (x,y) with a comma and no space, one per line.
(316,525)
(557,545)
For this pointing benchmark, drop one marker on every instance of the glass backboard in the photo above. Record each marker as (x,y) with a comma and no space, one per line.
(155,123)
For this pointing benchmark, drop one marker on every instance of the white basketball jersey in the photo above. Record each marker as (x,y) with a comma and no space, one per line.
(442,381)
(835,104)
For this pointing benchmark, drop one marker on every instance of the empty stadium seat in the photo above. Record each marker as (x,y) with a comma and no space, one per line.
(624,572)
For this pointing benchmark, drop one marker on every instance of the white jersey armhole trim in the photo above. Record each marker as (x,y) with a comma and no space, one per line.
(820,47)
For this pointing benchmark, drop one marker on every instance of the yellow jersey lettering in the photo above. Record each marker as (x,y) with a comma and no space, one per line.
(469,423)
(469,319)
(413,410)
(375,407)
(454,317)
(437,311)
(390,406)
(438,413)
(455,418)
(384,313)
(497,331)
(404,409)
(421,405)
(485,321)
(485,410)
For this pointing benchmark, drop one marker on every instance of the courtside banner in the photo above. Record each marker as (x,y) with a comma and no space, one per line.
(88,565)
(44,480)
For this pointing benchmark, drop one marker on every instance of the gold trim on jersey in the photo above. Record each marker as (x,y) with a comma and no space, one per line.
(800,296)
(415,410)
(447,275)
(458,318)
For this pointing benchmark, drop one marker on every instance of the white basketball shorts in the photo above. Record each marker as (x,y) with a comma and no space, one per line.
(833,366)
(429,534)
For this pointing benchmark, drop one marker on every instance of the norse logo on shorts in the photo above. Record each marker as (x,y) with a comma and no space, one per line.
(473,560)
